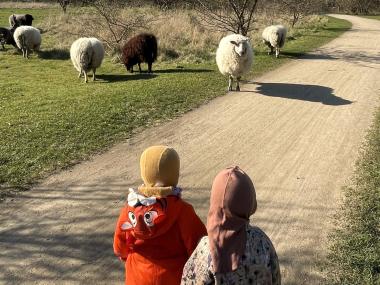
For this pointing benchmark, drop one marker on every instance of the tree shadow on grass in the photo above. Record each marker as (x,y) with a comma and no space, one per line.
(312,93)
(182,70)
(336,29)
(55,54)
(302,55)
(125,77)
(297,55)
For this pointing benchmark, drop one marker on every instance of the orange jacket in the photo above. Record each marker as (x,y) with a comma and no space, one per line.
(157,240)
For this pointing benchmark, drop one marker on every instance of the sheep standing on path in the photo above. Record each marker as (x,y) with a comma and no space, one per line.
(87,54)
(234,58)
(274,37)
(141,48)
(6,37)
(20,20)
(27,38)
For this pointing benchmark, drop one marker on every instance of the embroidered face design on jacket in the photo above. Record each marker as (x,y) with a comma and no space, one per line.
(144,221)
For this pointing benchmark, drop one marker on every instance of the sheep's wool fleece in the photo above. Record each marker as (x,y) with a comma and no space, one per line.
(275,35)
(228,61)
(27,37)
(86,54)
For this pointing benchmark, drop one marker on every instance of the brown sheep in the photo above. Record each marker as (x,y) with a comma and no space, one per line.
(141,48)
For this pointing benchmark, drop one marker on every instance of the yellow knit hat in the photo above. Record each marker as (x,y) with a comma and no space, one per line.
(159,166)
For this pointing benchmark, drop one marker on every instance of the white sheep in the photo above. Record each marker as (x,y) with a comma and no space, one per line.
(87,54)
(27,38)
(274,37)
(234,58)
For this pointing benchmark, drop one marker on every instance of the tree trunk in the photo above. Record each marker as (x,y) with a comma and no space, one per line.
(295,18)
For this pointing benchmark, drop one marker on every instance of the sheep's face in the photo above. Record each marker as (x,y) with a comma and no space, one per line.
(129,67)
(28,19)
(127,64)
(240,47)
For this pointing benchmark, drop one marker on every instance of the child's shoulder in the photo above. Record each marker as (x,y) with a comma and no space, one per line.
(180,202)
(187,210)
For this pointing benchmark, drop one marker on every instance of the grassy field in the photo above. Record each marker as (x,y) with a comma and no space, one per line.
(50,119)
(355,244)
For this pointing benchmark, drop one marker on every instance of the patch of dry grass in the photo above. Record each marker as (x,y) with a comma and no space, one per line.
(180,34)
(27,5)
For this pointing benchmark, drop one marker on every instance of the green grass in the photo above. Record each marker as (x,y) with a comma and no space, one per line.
(355,244)
(375,17)
(50,119)
(38,14)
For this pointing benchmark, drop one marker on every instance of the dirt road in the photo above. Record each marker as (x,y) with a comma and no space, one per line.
(296,131)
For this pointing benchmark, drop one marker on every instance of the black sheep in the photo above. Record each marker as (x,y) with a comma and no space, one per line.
(141,48)
(6,37)
(20,20)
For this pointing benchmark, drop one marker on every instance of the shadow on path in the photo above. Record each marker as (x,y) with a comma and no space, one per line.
(312,93)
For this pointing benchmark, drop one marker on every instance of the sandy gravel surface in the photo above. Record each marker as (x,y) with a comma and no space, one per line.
(296,131)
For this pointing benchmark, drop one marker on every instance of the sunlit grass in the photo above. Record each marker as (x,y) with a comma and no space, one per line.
(354,256)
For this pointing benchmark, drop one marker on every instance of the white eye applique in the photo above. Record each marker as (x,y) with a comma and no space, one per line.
(149,218)
(132,218)
(126,226)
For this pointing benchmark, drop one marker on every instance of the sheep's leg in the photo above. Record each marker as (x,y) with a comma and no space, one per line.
(85,77)
(139,67)
(80,74)
(277,52)
(149,67)
(237,84)
(230,81)
(93,74)
(271,50)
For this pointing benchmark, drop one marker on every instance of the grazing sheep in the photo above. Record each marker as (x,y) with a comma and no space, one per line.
(20,20)
(6,37)
(141,48)
(27,38)
(87,54)
(274,37)
(234,58)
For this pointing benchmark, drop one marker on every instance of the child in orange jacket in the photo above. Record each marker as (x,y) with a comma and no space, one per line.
(157,231)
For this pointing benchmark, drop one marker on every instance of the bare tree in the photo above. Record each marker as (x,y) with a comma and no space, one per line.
(63,4)
(110,25)
(300,8)
(358,6)
(234,16)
